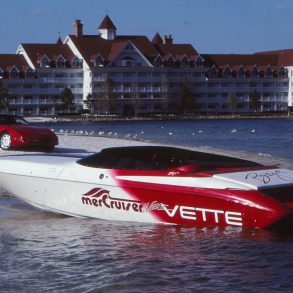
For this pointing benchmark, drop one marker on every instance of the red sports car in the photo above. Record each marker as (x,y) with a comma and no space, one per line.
(15,132)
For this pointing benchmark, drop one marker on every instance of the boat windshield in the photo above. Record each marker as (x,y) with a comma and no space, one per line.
(158,158)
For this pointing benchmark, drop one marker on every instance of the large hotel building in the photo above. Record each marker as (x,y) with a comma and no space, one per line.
(121,74)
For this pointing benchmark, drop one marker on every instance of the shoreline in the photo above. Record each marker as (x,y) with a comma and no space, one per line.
(82,145)
(153,117)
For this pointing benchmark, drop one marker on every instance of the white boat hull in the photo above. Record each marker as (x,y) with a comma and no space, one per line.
(66,197)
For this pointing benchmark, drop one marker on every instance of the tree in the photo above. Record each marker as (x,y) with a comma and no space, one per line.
(254,100)
(90,102)
(232,101)
(67,98)
(186,96)
(109,91)
(165,93)
(135,98)
(4,96)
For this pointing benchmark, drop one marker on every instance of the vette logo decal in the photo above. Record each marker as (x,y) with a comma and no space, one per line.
(99,197)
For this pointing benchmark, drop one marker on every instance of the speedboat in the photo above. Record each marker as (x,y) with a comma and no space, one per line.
(154,184)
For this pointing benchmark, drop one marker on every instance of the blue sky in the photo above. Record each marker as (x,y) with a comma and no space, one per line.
(211,26)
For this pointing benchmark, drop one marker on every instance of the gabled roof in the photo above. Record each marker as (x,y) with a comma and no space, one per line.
(90,46)
(8,61)
(36,52)
(107,24)
(157,39)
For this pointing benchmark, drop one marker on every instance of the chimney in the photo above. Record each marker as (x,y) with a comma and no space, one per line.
(77,28)
(168,40)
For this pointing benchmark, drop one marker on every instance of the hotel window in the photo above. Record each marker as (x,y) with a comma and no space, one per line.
(75,62)
(14,73)
(60,62)
(227,72)
(184,62)
(269,72)
(241,72)
(282,72)
(159,61)
(199,62)
(45,62)
(254,72)
(170,62)
(127,61)
(99,61)
(213,72)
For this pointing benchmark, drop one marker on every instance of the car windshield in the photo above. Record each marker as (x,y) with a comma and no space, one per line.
(12,120)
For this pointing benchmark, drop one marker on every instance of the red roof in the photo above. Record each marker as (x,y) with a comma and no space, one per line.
(235,61)
(157,39)
(8,61)
(285,57)
(36,52)
(107,24)
(178,51)
(91,46)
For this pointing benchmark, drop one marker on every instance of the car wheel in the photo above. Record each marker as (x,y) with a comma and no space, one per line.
(5,143)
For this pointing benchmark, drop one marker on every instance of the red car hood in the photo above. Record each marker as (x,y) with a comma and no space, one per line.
(31,130)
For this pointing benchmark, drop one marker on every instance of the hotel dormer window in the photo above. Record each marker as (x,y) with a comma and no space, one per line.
(227,72)
(282,72)
(199,61)
(128,61)
(45,62)
(269,72)
(29,73)
(213,72)
(159,61)
(184,62)
(170,62)
(75,62)
(254,72)
(241,72)
(14,73)
(99,61)
(60,62)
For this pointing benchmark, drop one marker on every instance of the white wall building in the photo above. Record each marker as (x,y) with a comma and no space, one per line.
(132,75)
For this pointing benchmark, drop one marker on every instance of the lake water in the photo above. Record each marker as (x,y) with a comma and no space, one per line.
(42,252)
(263,136)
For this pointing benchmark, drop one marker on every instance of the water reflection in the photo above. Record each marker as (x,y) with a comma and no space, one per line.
(58,253)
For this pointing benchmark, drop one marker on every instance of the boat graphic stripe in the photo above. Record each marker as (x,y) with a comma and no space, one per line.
(97,192)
